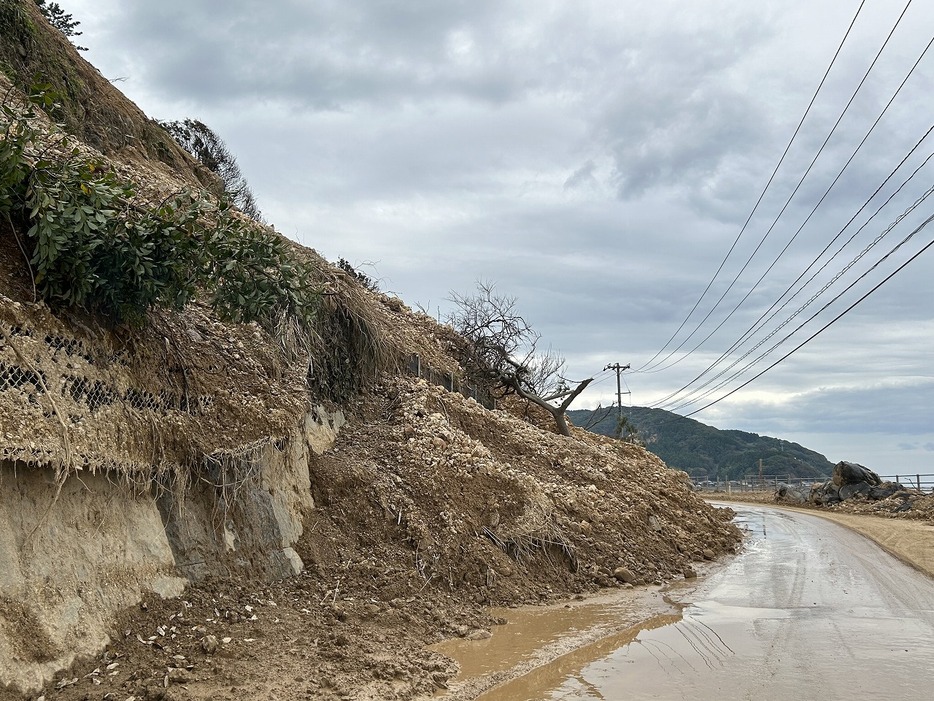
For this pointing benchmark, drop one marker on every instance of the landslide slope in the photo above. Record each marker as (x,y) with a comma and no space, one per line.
(426,507)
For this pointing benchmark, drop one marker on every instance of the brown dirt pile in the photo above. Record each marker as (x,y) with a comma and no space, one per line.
(427,508)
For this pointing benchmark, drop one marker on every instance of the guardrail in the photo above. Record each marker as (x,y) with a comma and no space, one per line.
(770,483)
(921,482)
(766,483)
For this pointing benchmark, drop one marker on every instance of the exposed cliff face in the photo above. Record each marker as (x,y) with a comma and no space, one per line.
(203,454)
(77,550)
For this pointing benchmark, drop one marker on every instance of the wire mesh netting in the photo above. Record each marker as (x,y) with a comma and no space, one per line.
(146,401)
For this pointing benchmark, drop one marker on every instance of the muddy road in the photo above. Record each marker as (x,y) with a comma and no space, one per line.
(809,610)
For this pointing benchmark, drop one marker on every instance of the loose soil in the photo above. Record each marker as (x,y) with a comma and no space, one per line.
(395,559)
(429,510)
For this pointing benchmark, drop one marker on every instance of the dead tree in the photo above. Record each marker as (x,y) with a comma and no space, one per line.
(501,350)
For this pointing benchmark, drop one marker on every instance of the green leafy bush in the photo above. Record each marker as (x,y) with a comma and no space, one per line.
(95,245)
(251,275)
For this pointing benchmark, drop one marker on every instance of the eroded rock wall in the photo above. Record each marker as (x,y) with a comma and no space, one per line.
(69,560)
(72,557)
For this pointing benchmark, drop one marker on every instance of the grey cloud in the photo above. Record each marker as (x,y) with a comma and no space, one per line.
(330,56)
(581,176)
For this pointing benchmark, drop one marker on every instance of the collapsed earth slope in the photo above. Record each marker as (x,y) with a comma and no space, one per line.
(197,508)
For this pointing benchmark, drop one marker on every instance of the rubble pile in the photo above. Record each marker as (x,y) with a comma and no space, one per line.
(854,488)
(483,500)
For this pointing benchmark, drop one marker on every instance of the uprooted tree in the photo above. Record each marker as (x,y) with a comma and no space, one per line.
(502,351)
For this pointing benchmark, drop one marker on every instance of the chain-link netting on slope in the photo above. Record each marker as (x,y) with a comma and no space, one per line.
(184,392)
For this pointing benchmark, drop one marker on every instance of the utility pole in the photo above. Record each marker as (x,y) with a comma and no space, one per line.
(619,390)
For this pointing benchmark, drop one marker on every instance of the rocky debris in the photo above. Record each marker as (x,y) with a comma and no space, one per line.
(790,495)
(850,480)
(850,473)
(888,499)
(428,509)
(515,514)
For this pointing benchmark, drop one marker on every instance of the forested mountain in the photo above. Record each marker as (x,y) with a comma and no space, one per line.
(706,452)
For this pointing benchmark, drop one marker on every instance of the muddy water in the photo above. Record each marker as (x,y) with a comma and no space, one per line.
(536,637)
(810,610)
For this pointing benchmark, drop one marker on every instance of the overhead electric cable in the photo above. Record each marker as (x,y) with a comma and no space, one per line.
(759,323)
(801,228)
(822,329)
(768,232)
(764,190)
(753,363)
(686,401)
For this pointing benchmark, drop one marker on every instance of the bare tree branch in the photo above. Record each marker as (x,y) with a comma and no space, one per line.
(502,351)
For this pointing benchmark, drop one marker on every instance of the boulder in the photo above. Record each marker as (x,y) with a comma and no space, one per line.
(848,491)
(824,493)
(790,495)
(623,574)
(845,473)
(885,490)
(850,480)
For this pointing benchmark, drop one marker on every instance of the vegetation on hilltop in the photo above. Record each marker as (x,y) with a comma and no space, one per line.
(91,241)
(91,108)
(61,20)
(705,452)
(203,143)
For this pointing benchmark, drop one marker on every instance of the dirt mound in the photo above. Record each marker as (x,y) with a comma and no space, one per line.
(484,499)
(427,507)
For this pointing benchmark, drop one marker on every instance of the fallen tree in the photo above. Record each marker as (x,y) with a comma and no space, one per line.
(502,351)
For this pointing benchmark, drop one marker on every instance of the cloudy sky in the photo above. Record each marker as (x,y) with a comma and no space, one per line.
(597,160)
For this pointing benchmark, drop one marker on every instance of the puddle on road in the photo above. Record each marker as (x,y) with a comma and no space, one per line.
(539,645)
(555,674)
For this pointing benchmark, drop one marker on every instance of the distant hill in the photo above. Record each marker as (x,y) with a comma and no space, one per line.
(706,452)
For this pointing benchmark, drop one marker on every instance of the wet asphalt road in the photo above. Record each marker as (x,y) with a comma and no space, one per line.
(809,610)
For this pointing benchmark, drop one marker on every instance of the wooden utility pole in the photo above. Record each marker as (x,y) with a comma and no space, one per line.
(619,390)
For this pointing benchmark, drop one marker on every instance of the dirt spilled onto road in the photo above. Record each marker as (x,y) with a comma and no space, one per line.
(429,509)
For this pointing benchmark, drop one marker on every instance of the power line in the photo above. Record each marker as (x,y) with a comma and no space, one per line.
(687,401)
(788,202)
(924,224)
(764,190)
(806,220)
(759,323)
(825,327)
